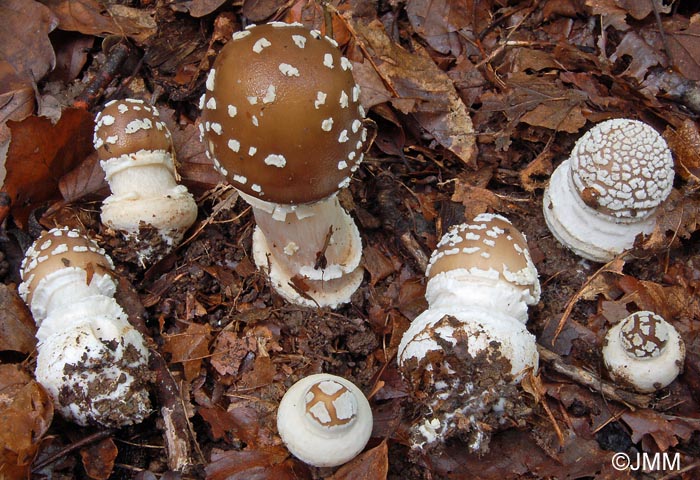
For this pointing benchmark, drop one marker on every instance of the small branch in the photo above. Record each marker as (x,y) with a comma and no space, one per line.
(116,57)
(592,381)
(95,437)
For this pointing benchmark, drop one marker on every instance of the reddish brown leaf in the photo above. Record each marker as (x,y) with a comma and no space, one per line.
(439,21)
(26,412)
(40,153)
(230,351)
(87,178)
(476,200)
(684,48)
(98,459)
(664,429)
(198,8)
(260,464)
(377,264)
(643,56)
(370,465)
(685,144)
(16,323)
(189,348)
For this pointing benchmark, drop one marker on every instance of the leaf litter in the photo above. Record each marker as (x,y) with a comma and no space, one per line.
(475,103)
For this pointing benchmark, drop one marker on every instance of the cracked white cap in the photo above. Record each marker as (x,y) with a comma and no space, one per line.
(644,351)
(324,420)
(622,168)
(484,262)
(281,117)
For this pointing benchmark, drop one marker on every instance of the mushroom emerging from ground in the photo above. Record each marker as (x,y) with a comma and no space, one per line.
(92,362)
(644,352)
(136,153)
(281,119)
(324,420)
(464,357)
(608,190)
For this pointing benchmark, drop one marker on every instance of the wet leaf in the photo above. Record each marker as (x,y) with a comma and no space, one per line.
(16,323)
(40,154)
(98,459)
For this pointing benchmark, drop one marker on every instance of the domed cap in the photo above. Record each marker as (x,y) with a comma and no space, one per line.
(644,351)
(281,116)
(622,168)
(56,249)
(127,126)
(489,245)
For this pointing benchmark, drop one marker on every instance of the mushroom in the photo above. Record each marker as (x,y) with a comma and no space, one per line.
(281,119)
(92,362)
(644,352)
(136,153)
(464,357)
(609,189)
(324,420)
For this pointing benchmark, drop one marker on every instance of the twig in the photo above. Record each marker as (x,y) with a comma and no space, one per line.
(592,381)
(95,437)
(116,57)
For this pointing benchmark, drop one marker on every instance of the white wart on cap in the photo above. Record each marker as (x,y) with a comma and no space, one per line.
(606,193)
(281,116)
(324,420)
(484,262)
(644,352)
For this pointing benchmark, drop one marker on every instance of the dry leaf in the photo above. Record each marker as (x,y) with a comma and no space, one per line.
(685,144)
(16,323)
(370,465)
(189,348)
(476,200)
(265,463)
(664,429)
(98,459)
(40,154)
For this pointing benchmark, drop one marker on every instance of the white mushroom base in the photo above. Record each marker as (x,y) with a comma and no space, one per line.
(580,228)
(311,252)
(463,367)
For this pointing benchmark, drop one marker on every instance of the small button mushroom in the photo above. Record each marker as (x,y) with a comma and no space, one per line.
(324,420)
(135,151)
(485,262)
(92,362)
(464,357)
(644,352)
(281,119)
(608,191)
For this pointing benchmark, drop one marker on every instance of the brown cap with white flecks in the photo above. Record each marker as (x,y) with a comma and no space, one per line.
(281,117)
(488,243)
(128,126)
(622,168)
(59,248)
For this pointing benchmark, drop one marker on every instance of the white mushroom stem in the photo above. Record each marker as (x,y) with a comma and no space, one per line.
(144,189)
(585,231)
(313,251)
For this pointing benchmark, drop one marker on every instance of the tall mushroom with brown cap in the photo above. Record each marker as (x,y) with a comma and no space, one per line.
(609,189)
(281,119)
(644,352)
(464,357)
(136,153)
(92,362)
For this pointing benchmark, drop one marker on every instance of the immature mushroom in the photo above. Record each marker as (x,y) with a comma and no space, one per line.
(464,357)
(324,420)
(281,119)
(608,190)
(136,154)
(644,352)
(92,362)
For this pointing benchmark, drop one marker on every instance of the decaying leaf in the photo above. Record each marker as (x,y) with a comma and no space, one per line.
(666,430)
(16,323)
(685,144)
(98,459)
(370,465)
(435,102)
(189,348)
(262,463)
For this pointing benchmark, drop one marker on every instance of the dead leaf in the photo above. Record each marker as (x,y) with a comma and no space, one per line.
(377,264)
(476,200)
(434,101)
(16,323)
(684,48)
(666,430)
(98,459)
(91,17)
(40,154)
(439,23)
(642,55)
(685,144)
(196,170)
(87,178)
(370,465)
(197,8)
(265,463)
(536,174)
(230,350)
(189,348)
(26,412)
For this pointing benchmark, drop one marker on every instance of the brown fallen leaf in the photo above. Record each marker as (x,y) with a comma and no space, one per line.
(189,348)
(476,200)
(666,430)
(26,412)
(40,154)
(434,102)
(685,144)
(16,323)
(98,459)
(265,463)
(370,465)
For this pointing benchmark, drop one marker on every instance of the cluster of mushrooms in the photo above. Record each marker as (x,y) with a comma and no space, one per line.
(462,358)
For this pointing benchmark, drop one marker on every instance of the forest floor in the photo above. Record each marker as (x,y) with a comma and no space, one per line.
(475,103)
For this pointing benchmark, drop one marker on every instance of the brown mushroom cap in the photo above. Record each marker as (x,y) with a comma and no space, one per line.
(127,126)
(59,248)
(281,115)
(489,242)
(622,168)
